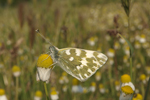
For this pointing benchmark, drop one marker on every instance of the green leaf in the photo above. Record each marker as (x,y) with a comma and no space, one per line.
(129,44)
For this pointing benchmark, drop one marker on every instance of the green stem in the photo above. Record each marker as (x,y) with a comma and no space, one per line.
(130,57)
(16,97)
(45,87)
(131,69)
(142,89)
(111,80)
(147,89)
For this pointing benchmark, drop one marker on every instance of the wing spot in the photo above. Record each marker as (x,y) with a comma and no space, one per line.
(89,54)
(102,61)
(81,66)
(96,62)
(95,67)
(90,71)
(84,61)
(68,52)
(78,67)
(78,52)
(85,75)
(71,58)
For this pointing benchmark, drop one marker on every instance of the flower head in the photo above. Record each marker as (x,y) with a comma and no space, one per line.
(2,95)
(92,40)
(98,76)
(127,87)
(101,88)
(44,66)
(125,78)
(138,97)
(92,88)
(16,71)
(54,94)
(45,61)
(143,78)
(111,52)
(117,85)
(38,95)
(142,38)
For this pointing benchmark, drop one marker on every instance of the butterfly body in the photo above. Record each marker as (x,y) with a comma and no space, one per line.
(79,63)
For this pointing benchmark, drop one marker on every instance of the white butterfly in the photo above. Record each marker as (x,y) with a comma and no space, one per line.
(79,63)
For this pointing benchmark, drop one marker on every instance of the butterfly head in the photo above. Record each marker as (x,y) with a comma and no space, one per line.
(53,52)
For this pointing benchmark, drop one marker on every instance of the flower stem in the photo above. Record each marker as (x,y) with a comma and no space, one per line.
(16,96)
(45,87)
(147,89)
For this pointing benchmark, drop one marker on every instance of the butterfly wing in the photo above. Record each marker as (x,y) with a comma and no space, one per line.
(81,63)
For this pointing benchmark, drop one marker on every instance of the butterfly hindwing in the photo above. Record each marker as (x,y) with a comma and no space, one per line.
(81,63)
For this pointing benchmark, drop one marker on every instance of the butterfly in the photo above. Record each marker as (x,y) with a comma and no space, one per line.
(79,63)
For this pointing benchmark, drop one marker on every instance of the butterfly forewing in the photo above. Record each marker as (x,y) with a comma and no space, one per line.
(80,63)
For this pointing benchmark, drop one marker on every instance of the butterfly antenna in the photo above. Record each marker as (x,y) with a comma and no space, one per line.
(37,31)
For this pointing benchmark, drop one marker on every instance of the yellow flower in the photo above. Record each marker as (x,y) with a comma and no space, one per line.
(2,92)
(45,61)
(101,88)
(2,95)
(125,78)
(127,89)
(54,94)
(92,88)
(143,78)
(142,38)
(64,74)
(15,68)
(111,52)
(116,45)
(117,85)
(98,76)
(75,81)
(138,97)
(38,93)
(44,66)
(16,71)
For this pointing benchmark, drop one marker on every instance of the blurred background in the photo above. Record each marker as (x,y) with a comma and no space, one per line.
(87,24)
